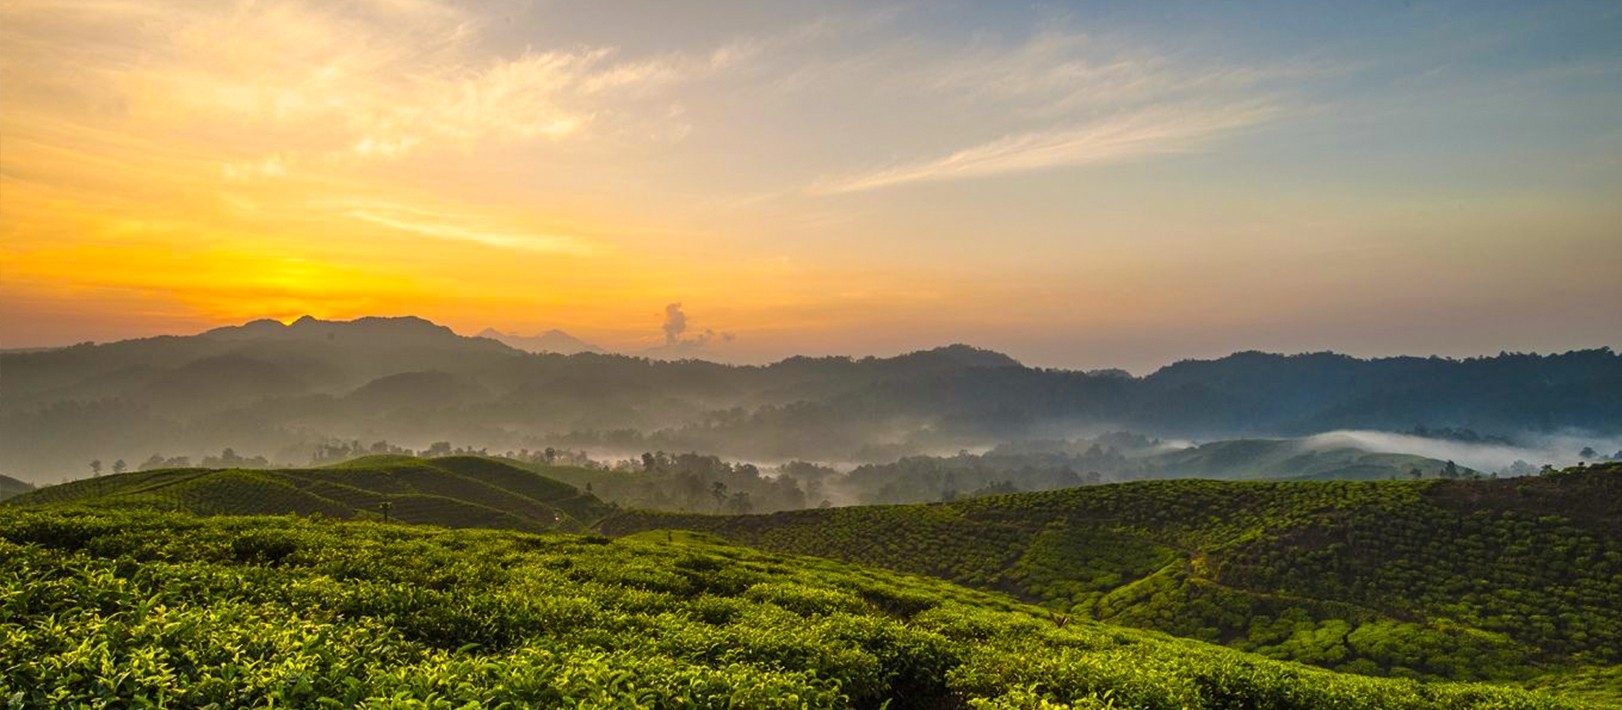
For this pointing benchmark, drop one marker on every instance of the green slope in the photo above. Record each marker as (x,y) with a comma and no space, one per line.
(11,487)
(118,608)
(457,491)
(1510,580)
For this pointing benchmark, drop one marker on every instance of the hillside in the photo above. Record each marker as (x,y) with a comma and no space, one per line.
(300,612)
(1480,579)
(456,491)
(10,487)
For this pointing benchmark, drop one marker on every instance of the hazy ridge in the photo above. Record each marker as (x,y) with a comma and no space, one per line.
(282,391)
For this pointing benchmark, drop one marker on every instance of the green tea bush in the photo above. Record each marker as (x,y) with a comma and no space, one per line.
(1511,580)
(141,609)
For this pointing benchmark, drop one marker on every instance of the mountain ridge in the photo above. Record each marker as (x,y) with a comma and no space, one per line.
(272,390)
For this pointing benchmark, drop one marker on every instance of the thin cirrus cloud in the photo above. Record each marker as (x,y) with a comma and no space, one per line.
(1151,132)
(439,225)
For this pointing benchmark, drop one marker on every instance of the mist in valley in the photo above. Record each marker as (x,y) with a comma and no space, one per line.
(924,426)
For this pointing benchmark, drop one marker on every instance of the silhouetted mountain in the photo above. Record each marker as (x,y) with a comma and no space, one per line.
(1298,394)
(951,357)
(551,341)
(277,390)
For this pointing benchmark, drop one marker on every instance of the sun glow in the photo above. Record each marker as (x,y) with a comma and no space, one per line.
(841,181)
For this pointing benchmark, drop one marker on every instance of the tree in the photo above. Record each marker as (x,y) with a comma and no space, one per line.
(119,466)
(718,491)
(1450,470)
(95,467)
(1588,453)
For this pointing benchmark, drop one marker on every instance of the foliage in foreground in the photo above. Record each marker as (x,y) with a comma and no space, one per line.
(139,608)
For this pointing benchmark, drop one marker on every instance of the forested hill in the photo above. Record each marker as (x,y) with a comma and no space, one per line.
(1502,579)
(453,491)
(283,391)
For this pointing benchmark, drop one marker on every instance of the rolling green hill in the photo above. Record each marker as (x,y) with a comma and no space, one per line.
(454,491)
(1514,580)
(131,608)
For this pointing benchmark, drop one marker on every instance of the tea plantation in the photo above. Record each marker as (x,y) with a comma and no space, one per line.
(137,608)
(454,491)
(1516,580)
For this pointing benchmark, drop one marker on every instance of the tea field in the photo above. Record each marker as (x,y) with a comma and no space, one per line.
(1516,580)
(453,491)
(108,607)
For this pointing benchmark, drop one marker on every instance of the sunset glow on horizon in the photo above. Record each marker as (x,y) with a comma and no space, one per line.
(1078,184)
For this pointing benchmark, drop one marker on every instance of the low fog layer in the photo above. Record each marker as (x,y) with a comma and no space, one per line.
(1537,449)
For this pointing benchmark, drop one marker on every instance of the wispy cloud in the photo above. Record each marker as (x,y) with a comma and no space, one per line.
(992,104)
(374,80)
(442,225)
(1146,133)
(1052,72)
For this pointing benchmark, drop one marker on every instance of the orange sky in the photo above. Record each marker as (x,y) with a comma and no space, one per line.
(1076,188)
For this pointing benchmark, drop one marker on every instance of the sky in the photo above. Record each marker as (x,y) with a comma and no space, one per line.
(1079,185)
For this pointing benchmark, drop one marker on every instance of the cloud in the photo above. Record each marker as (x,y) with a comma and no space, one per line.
(366,81)
(675,326)
(1054,72)
(979,104)
(271,167)
(675,323)
(1156,131)
(453,227)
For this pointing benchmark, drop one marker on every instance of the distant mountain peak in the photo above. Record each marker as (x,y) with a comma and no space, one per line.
(379,330)
(964,355)
(551,341)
